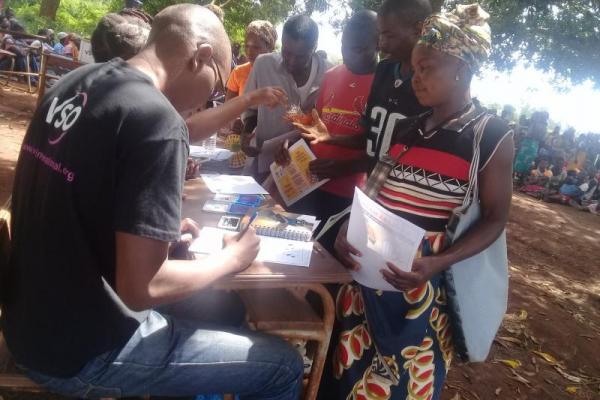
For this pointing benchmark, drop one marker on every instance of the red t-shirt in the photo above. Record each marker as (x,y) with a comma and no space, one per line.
(342,101)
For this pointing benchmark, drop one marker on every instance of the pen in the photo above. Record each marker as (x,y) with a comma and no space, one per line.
(247,226)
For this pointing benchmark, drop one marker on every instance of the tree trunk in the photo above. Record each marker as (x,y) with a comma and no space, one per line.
(48,8)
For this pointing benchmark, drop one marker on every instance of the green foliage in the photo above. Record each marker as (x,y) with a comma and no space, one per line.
(559,36)
(552,35)
(78,16)
(238,13)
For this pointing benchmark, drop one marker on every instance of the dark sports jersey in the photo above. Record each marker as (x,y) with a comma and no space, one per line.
(391,100)
(431,178)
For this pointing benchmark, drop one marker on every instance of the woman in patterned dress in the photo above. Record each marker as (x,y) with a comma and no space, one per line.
(398,345)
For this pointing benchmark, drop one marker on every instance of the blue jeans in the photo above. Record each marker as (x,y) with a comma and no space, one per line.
(173,356)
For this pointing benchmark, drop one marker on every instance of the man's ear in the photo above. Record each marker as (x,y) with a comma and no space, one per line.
(465,73)
(418,28)
(204,52)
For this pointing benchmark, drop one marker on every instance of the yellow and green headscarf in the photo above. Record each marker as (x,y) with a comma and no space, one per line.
(463,33)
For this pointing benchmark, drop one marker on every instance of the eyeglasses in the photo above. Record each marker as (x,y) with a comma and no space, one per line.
(219,89)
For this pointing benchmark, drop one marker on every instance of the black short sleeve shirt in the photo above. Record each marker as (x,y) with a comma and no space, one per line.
(105,152)
(391,100)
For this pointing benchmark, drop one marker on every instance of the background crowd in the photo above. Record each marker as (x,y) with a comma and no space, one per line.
(554,165)
(26,48)
(551,164)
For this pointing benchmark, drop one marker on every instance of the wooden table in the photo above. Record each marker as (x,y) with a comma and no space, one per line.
(275,295)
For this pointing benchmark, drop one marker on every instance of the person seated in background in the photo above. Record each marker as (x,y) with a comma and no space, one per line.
(20,59)
(536,184)
(530,145)
(4,23)
(342,102)
(570,190)
(48,43)
(542,170)
(261,37)
(59,47)
(299,71)
(71,48)
(590,194)
(15,24)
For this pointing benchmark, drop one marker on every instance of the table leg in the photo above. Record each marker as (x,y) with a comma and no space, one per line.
(322,345)
(28,70)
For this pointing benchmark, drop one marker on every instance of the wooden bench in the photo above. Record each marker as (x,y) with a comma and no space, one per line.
(53,61)
(28,50)
(287,313)
(48,61)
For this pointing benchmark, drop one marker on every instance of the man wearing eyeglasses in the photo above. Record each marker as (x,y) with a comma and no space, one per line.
(96,202)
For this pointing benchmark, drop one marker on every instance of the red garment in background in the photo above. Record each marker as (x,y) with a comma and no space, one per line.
(342,100)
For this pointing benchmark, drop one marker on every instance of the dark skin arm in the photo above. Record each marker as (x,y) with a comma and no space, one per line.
(247,135)
(208,121)
(495,183)
(230,95)
(318,133)
(327,168)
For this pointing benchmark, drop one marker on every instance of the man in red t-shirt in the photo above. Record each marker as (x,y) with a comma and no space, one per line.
(342,101)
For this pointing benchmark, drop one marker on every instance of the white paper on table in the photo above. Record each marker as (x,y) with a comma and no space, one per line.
(284,251)
(270,147)
(381,237)
(233,184)
(274,250)
(216,154)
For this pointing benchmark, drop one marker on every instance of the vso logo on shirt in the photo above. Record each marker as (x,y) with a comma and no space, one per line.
(64,115)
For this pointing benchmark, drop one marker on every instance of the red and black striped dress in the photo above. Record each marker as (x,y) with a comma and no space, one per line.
(398,345)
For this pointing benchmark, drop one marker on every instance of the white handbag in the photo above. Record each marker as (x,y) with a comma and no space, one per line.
(477,287)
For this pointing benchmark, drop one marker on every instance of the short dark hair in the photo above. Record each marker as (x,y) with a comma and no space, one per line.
(363,21)
(301,27)
(411,11)
(119,36)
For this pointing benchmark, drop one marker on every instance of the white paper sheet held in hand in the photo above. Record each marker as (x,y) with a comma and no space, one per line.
(381,237)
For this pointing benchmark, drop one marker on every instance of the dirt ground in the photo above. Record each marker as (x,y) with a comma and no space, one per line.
(549,345)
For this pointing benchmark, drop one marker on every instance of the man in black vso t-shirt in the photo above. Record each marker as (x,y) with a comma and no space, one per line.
(96,202)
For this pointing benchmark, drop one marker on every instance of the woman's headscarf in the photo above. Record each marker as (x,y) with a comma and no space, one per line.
(463,33)
(265,31)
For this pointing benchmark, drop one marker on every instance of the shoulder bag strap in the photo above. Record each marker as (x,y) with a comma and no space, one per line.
(472,193)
